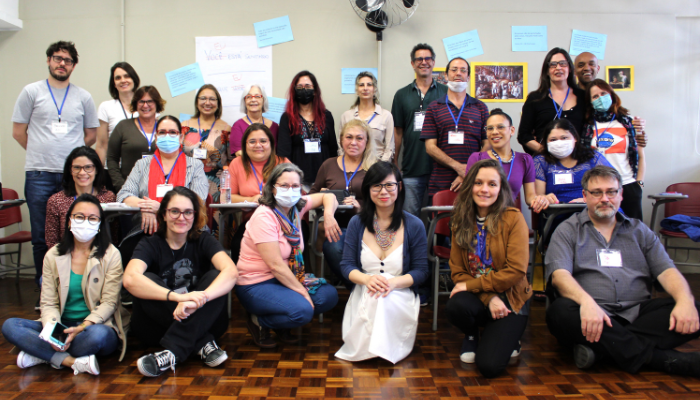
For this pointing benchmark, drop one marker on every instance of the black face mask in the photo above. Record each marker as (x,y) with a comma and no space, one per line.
(304,96)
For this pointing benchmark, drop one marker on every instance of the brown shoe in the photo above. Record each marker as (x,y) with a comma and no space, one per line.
(286,336)
(261,336)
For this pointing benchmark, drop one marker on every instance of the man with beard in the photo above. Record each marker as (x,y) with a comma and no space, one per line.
(603,264)
(50,119)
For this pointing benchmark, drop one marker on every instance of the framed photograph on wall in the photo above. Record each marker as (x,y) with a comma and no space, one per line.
(620,77)
(499,82)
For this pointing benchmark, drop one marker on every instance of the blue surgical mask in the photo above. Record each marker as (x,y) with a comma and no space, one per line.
(602,103)
(289,197)
(168,144)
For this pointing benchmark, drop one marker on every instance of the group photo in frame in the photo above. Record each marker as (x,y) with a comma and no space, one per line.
(620,77)
(499,82)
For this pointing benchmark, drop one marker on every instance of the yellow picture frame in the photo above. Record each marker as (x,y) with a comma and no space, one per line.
(482,81)
(616,81)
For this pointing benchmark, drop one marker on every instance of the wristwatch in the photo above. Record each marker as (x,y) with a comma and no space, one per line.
(641,183)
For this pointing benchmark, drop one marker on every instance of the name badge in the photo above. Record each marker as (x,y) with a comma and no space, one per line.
(59,128)
(162,190)
(563,178)
(455,137)
(418,119)
(609,258)
(200,154)
(312,146)
(182,290)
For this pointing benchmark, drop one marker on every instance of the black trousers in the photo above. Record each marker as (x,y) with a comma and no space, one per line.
(153,323)
(629,345)
(499,338)
(632,200)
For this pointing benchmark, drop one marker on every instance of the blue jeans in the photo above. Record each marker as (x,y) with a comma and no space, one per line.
(278,307)
(416,189)
(333,252)
(96,339)
(38,187)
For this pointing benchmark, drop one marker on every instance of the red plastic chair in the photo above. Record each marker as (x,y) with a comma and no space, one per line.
(14,216)
(689,207)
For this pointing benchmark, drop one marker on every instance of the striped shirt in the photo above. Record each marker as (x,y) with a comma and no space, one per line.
(137,183)
(438,122)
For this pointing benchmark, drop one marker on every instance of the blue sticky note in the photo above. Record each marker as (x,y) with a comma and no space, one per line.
(348,76)
(464,45)
(184,117)
(591,42)
(273,31)
(276,108)
(184,79)
(529,38)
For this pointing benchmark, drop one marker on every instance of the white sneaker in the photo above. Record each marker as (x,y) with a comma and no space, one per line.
(26,360)
(86,364)
(516,351)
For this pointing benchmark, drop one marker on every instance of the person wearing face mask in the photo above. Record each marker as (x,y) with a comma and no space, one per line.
(155,175)
(273,286)
(253,104)
(453,129)
(610,130)
(82,277)
(306,130)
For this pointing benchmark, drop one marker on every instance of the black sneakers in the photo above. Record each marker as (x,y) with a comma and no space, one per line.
(584,357)
(212,355)
(155,364)
(675,362)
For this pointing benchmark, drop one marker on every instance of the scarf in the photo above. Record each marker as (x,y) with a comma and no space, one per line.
(626,121)
(156,176)
(480,261)
(292,232)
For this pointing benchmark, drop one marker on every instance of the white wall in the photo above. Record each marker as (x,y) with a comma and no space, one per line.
(329,36)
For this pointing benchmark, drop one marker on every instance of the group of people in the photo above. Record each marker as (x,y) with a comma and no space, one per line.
(586,146)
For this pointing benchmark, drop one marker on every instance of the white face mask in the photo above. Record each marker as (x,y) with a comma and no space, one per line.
(561,148)
(83,231)
(289,197)
(458,87)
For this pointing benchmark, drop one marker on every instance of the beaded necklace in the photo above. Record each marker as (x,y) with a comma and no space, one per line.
(385,239)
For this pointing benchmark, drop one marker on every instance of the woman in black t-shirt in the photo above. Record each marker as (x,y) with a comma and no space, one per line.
(184,273)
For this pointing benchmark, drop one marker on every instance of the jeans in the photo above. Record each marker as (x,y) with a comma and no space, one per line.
(333,252)
(96,339)
(416,189)
(38,187)
(278,307)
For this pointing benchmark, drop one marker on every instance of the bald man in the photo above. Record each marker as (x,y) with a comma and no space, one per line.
(587,68)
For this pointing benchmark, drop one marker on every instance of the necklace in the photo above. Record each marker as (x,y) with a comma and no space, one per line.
(512,154)
(385,239)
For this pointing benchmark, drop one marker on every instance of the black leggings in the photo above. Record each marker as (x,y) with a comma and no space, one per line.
(499,338)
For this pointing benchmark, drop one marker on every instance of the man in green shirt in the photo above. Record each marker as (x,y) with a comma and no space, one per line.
(408,110)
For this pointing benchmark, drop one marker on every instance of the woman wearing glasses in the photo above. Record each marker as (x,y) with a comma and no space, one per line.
(82,277)
(253,105)
(385,257)
(273,286)
(307,131)
(134,139)
(557,97)
(180,278)
(82,173)
(155,175)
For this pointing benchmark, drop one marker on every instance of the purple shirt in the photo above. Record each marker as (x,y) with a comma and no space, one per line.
(239,128)
(523,169)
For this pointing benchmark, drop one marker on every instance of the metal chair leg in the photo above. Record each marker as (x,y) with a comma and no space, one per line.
(436,284)
(19,261)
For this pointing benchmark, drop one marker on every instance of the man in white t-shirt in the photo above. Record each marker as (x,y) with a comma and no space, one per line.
(50,119)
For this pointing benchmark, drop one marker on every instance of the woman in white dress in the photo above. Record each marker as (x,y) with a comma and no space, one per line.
(385,256)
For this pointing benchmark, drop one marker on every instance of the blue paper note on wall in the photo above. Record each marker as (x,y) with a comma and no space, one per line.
(464,45)
(348,76)
(273,31)
(529,38)
(184,117)
(591,42)
(276,109)
(184,79)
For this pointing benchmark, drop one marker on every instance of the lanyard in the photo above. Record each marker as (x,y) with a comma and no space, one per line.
(460,112)
(143,132)
(605,130)
(167,177)
(54,99)
(370,120)
(260,185)
(184,249)
(199,128)
(124,111)
(512,158)
(559,109)
(345,174)
(251,122)
(92,192)
(287,219)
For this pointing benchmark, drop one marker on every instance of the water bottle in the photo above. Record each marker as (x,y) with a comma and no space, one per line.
(225,187)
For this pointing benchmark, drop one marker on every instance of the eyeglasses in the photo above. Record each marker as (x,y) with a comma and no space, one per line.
(90,168)
(389,186)
(562,63)
(254,96)
(286,186)
(599,193)
(307,86)
(204,99)
(426,59)
(253,142)
(492,129)
(169,133)
(175,213)
(59,59)
(80,218)
(462,70)
(149,102)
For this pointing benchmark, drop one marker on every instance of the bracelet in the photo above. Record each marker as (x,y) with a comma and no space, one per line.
(167,296)
(83,325)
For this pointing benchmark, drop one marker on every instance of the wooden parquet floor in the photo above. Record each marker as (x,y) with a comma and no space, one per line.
(310,370)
